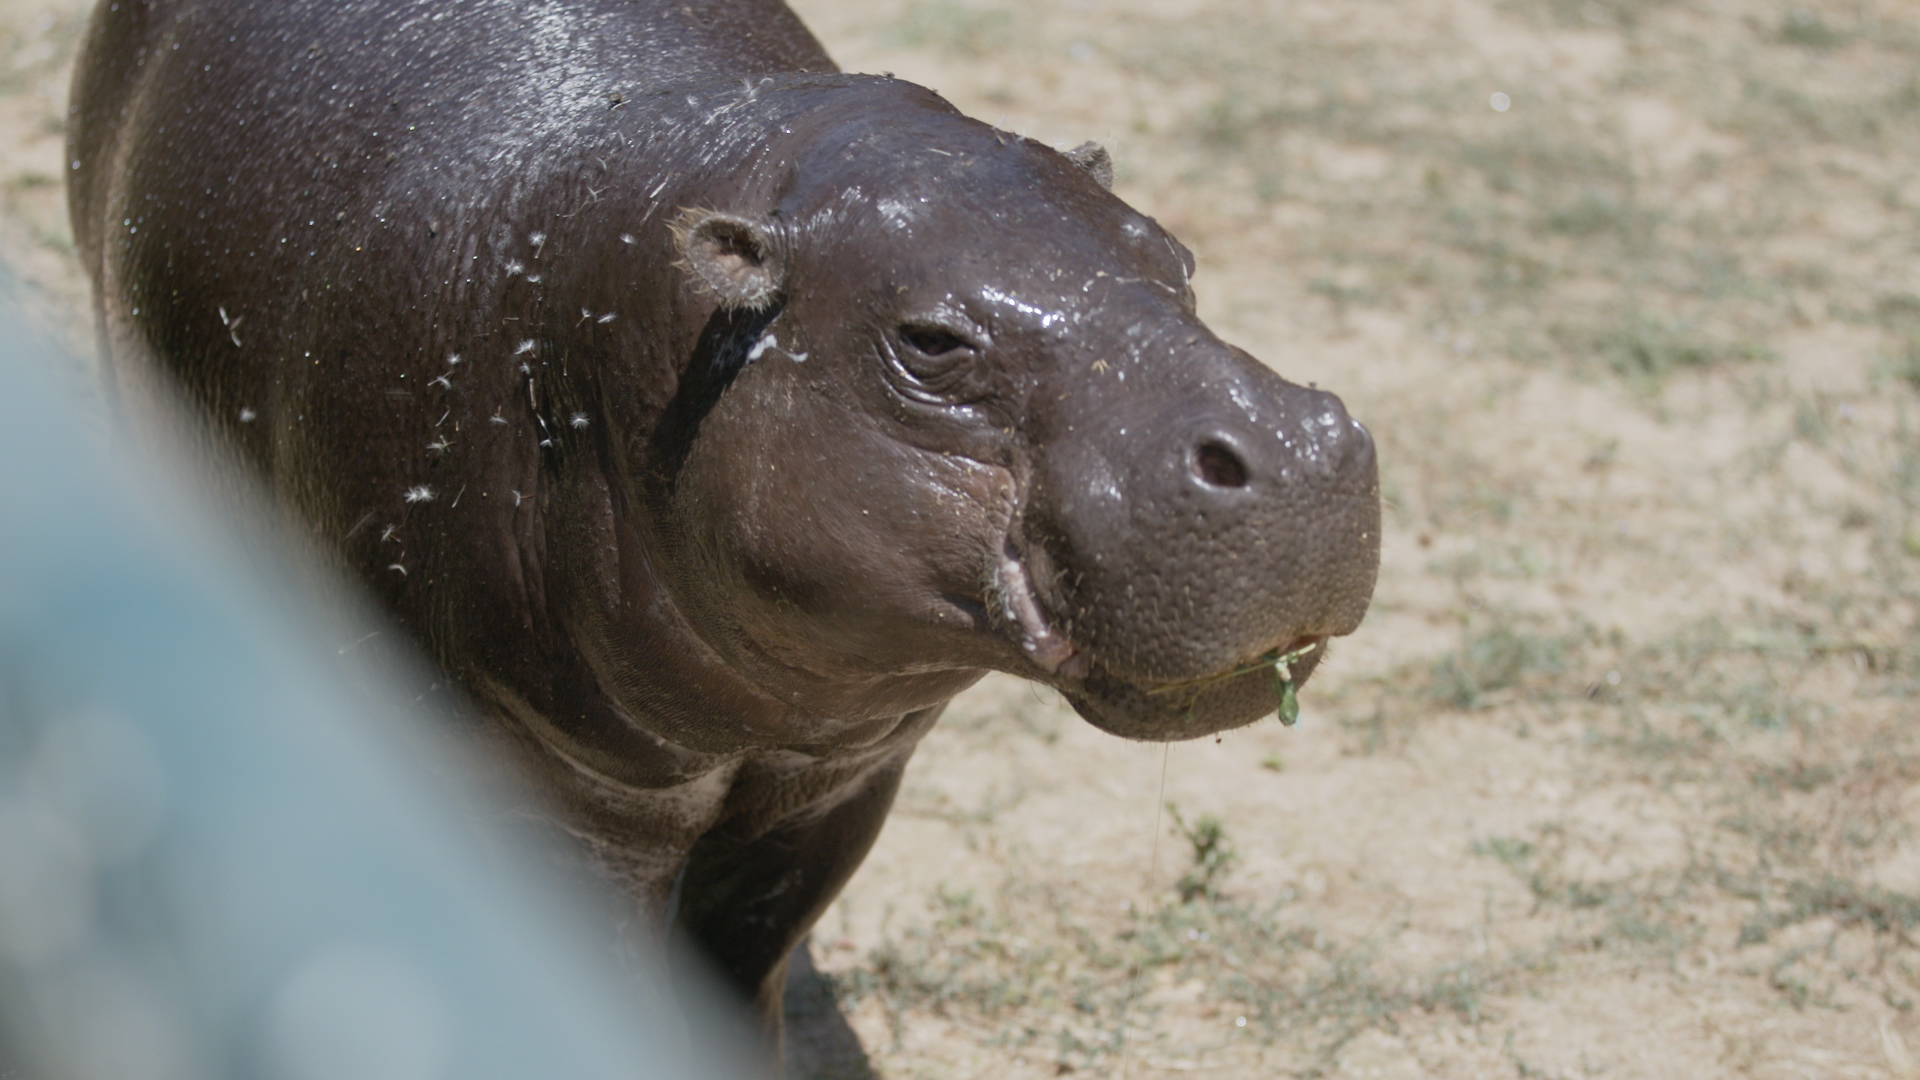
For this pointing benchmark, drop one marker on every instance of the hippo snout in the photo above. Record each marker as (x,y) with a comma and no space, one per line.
(1236,520)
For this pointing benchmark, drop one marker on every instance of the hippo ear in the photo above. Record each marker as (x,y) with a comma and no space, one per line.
(737,259)
(1094,158)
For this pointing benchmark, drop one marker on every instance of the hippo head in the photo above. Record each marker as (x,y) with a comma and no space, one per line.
(971,421)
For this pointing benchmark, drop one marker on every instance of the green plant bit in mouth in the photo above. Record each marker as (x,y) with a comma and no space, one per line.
(1287,700)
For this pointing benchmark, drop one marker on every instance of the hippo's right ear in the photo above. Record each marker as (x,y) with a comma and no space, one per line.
(739,260)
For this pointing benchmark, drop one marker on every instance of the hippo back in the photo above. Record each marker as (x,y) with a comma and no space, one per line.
(211,75)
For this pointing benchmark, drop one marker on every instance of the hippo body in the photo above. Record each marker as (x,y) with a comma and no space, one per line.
(710,416)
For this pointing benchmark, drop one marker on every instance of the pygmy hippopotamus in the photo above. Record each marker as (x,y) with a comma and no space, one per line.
(711,417)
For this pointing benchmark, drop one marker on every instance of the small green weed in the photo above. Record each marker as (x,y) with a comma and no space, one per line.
(1649,346)
(1213,856)
(1590,215)
(1847,903)
(1804,28)
(1591,14)
(1507,849)
(1897,310)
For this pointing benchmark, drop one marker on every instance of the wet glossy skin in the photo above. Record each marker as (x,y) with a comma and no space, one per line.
(711,417)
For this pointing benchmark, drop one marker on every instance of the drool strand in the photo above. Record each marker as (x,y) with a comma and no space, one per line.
(1153,872)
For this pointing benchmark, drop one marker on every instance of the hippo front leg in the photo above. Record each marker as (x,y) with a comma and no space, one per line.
(747,901)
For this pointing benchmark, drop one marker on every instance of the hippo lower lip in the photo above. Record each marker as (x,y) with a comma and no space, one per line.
(1189,708)
(1300,652)
(1039,640)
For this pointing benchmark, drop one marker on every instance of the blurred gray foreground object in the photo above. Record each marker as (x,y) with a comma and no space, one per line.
(218,859)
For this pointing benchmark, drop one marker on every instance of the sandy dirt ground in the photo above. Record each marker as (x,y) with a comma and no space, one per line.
(1620,778)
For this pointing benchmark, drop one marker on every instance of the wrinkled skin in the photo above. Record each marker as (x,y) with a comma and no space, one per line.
(709,416)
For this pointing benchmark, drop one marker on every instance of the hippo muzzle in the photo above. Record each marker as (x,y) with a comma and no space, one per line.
(1186,527)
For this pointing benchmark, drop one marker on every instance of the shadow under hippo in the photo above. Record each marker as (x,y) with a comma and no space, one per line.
(710,417)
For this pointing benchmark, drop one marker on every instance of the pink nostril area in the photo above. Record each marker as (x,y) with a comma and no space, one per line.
(1220,467)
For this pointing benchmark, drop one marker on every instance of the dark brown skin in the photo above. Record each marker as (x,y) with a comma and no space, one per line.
(710,416)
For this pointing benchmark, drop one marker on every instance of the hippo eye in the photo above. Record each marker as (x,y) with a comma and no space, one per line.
(932,340)
(936,362)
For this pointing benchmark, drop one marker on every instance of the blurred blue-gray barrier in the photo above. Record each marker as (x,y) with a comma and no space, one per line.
(219,859)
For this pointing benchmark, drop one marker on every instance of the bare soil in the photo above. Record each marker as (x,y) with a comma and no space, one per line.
(1621,776)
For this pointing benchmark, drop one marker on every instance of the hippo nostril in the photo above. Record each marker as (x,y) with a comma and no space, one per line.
(1218,466)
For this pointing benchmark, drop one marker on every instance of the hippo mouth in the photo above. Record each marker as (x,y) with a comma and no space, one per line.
(1042,643)
(1162,711)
